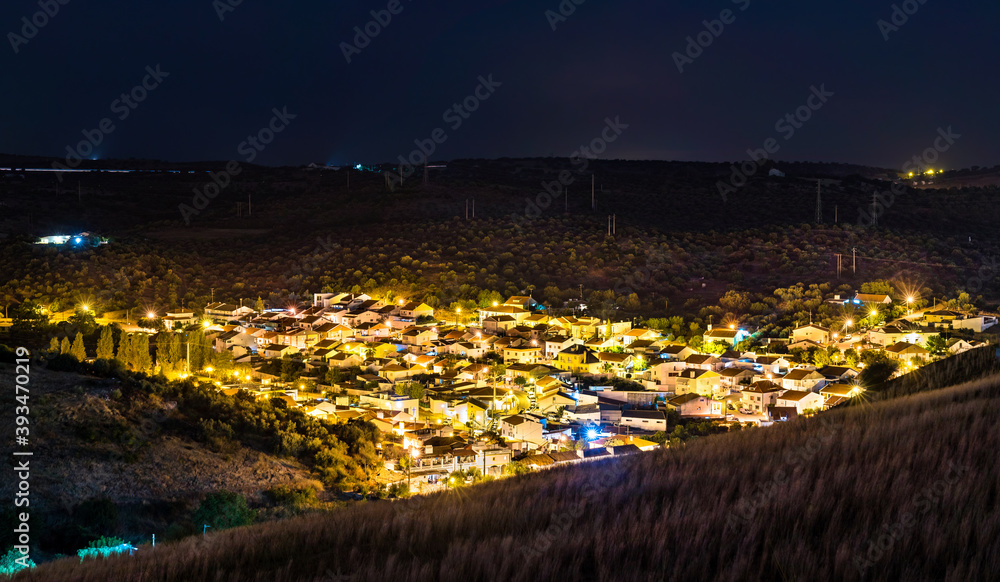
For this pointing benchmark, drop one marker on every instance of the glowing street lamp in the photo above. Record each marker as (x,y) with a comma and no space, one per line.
(85,307)
(150,315)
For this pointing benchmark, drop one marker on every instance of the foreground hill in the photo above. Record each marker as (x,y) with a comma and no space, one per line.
(95,448)
(905,489)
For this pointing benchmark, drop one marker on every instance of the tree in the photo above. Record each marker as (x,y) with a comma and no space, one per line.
(412,389)
(852,358)
(735,301)
(64,346)
(717,347)
(106,344)
(259,306)
(223,510)
(124,353)
(936,344)
(54,345)
(83,321)
(77,350)
(143,361)
(28,316)
(879,287)
(169,352)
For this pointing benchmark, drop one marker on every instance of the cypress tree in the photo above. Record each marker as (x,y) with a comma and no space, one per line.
(78,351)
(106,344)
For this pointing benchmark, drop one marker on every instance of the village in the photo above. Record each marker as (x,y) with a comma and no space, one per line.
(509,385)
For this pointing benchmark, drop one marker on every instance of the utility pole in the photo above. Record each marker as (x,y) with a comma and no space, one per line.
(854,260)
(213,294)
(614,224)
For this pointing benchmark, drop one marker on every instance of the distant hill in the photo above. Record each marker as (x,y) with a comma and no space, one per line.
(904,489)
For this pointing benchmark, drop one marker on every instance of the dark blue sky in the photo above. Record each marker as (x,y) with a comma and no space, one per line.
(606,59)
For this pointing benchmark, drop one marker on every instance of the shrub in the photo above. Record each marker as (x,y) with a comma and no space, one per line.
(14,561)
(104,547)
(223,510)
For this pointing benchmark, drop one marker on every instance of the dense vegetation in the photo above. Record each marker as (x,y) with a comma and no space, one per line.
(675,250)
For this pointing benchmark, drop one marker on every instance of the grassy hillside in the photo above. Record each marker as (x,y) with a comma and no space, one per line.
(110,460)
(903,489)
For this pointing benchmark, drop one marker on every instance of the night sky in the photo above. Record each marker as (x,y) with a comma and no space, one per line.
(556,89)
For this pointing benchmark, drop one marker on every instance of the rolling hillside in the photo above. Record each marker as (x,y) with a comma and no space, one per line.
(902,489)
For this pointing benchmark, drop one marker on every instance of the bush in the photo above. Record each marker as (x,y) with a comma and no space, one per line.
(293,497)
(13,561)
(223,510)
(104,547)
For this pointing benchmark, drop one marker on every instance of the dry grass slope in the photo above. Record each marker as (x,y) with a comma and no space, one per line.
(795,502)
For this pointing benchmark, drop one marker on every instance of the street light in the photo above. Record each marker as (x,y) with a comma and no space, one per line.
(150,315)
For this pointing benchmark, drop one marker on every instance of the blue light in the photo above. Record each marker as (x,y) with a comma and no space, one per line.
(591,434)
(77,240)
(357,167)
